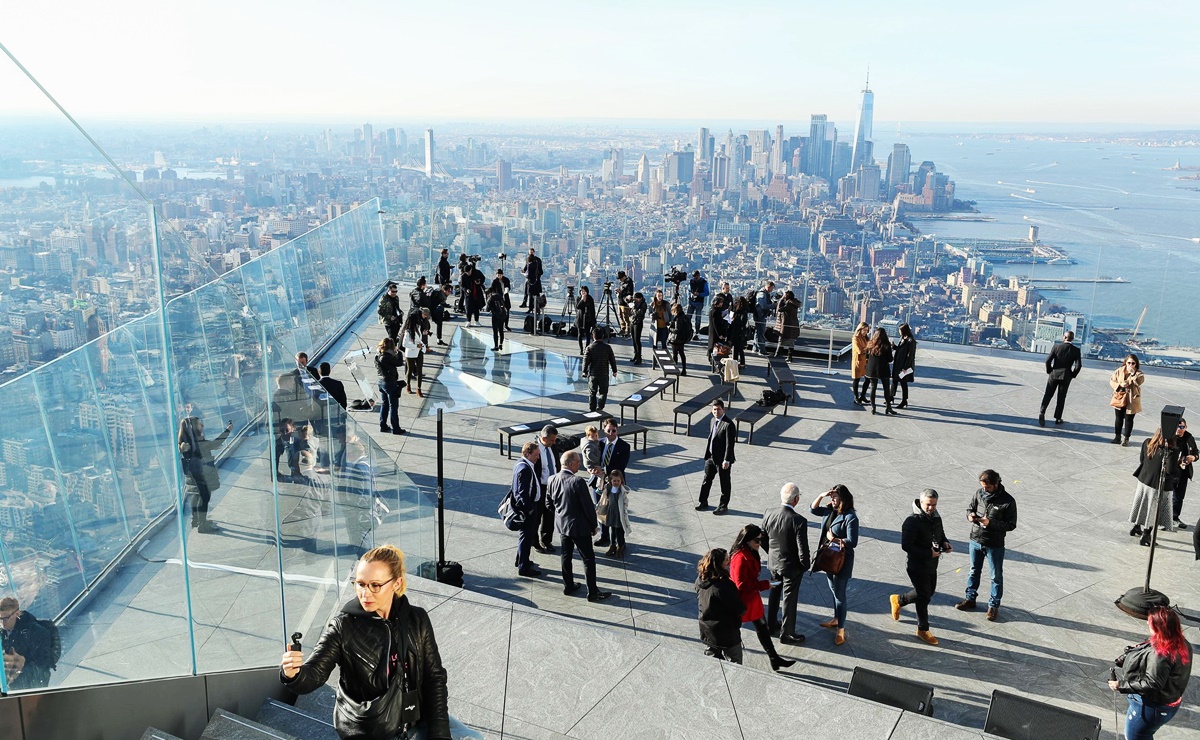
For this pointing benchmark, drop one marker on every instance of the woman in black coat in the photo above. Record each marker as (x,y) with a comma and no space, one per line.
(721,607)
(1188,454)
(879,361)
(200,467)
(585,317)
(903,362)
(787,322)
(739,330)
(718,327)
(678,335)
(391,675)
(1155,675)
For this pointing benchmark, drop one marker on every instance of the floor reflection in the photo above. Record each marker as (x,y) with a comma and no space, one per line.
(475,375)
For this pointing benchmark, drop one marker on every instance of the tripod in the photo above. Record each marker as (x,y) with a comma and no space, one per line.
(606,302)
(675,298)
(568,308)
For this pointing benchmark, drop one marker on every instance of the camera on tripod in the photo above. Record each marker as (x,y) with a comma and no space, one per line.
(474,259)
(502,256)
(676,276)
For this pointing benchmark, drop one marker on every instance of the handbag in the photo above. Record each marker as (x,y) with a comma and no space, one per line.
(602,508)
(513,518)
(1120,398)
(831,556)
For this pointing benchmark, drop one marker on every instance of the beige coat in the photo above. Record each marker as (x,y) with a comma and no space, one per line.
(1133,387)
(858,356)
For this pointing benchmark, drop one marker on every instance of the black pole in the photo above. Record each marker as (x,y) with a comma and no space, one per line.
(441,499)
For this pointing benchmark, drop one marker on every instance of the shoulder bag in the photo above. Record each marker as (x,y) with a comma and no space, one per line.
(831,554)
(513,518)
(1120,398)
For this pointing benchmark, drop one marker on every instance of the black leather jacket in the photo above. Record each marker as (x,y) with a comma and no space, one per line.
(1154,678)
(370,704)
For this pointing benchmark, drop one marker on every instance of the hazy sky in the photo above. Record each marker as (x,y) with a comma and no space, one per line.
(1099,61)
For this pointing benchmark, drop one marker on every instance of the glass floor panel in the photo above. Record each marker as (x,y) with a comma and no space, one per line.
(474,375)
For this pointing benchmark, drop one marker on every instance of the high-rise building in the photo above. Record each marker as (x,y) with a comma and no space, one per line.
(720,172)
(819,159)
(429,153)
(368,138)
(643,173)
(868,182)
(704,145)
(503,175)
(680,168)
(898,166)
(863,143)
(777,152)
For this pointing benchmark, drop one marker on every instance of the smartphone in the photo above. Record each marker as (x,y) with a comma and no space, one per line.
(776,583)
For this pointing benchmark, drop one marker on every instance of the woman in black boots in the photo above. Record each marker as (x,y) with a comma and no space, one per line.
(879,363)
(903,362)
(744,568)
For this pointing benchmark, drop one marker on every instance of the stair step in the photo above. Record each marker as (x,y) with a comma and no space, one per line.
(295,721)
(319,703)
(155,734)
(229,726)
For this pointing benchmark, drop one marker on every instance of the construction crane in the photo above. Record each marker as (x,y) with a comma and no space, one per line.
(1139,323)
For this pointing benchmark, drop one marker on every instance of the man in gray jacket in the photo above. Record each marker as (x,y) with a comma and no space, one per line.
(575,520)
(992,514)
(785,537)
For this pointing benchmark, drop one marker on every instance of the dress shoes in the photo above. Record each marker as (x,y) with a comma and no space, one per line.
(791,640)
(831,624)
(570,588)
(398,430)
(599,596)
(530,572)
(1042,419)
(966,605)
(840,637)
(702,507)
(778,663)
(891,411)
(545,549)
(721,510)
(1059,421)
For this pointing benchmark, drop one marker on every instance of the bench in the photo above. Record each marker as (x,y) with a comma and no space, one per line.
(778,367)
(633,430)
(562,420)
(647,392)
(752,416)
(689,407)
(666,363)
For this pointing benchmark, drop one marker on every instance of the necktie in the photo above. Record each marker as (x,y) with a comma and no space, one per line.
(549,456)
(607,453)
(712,435)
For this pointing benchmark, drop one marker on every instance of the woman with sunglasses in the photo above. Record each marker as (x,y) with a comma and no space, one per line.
(1126,380)
(744,567)
(392,682)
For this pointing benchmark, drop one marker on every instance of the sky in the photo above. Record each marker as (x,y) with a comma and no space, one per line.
(1052,61)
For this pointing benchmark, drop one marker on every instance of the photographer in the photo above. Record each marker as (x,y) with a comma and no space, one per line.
(28,647)
(764,302)
(697,295)
(624,301)
(924,539)
(533,279)
(1156,675)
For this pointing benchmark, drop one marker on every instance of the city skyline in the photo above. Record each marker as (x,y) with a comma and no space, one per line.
(1051,65)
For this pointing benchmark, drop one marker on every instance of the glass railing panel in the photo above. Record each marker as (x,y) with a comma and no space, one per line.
(293,294)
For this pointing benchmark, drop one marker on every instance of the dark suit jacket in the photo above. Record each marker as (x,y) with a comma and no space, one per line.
(620,455)
(1064,358)
(785,537)
(574,512)
(721,449)
(335,389)
(525,487)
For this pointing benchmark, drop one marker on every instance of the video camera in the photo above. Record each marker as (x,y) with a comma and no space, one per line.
(502,256)
(676,276)
(474,259)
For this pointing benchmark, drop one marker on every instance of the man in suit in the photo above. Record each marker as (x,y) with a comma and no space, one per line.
(546,469)
(718,457)
(528,498)
(1062,365)
(335,388)
(785,537)
(613,456)
(337,418)
(598,359)
(575,520)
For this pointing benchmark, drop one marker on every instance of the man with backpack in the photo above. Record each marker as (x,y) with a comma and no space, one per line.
(763,304)
(32,647)
(697,295)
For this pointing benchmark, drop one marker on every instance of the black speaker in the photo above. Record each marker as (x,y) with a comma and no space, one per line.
(1018,718)
(1171,416)
(895,692)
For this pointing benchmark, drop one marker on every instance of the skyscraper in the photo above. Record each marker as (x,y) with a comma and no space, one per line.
(863,129)
(429,153)
(643,173)
(680,167)
(503,175)
(819,157)
(703,147)
(777,152)
(899,164)
(720,172)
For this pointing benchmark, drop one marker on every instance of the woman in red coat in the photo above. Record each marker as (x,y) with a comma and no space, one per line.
(744,568)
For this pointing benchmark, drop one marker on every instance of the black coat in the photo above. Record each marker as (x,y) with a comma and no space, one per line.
(739,328)
(721,449)
(369,703)
(1187,448)
(387,366)
(442,272)
(680,326)
(574,510)
(917,536)
(1150,468)
(619,460)
(599,361)
(1154,678)
(877,365)
(718,327)
(29,639)
(721,610)
(1064,361)
(1000,509)
(388,309)
(336,390)
(904,358)
(585,314)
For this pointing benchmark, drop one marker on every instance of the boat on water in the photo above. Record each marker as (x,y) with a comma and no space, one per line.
(1061,261)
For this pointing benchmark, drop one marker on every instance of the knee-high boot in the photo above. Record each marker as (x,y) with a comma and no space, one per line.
(764,639)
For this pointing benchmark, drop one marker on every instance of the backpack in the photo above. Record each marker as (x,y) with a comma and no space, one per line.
(771,398)
(55,641)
